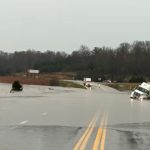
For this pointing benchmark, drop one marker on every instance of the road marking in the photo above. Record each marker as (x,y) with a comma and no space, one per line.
(86,133)
(99,143)
(102,145)
(23,122)
(99,135)
(83,146)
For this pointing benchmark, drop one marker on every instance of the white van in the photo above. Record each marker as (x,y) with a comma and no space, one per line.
(141,92)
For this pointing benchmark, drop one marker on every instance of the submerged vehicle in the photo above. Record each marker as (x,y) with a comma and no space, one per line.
(141,92)
(87,82)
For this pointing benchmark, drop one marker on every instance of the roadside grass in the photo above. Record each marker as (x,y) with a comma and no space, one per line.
(64,83)
(70,84)
(122,86)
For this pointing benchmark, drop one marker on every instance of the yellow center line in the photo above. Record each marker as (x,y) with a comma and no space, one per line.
(78,144)
(102,145)
(99,135)
(83,146)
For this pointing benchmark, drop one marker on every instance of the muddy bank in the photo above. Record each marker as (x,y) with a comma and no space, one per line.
(25,80)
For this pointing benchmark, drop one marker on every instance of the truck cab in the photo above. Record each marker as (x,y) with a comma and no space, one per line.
(141,92)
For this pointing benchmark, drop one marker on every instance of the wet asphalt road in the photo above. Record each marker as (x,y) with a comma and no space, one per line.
(40,118)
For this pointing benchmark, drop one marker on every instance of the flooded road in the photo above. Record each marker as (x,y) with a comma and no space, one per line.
(54,118)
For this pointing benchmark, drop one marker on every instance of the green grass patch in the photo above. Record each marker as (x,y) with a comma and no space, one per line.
(122,86)
(70,84)
(63,83)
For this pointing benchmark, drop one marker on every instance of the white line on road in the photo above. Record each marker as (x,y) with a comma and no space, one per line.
(23,122)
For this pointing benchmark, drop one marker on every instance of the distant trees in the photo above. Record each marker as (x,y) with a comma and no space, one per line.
(122,63)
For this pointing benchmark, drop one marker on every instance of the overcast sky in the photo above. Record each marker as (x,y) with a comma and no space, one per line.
(64,25)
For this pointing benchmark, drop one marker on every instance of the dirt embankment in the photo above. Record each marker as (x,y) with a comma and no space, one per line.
(23,80)
(43,79)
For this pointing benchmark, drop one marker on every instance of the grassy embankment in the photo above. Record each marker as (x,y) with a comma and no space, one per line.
(70,84)
(122,86)
(64,83)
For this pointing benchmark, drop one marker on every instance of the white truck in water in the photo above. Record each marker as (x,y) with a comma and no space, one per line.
(87,82)
(141,92)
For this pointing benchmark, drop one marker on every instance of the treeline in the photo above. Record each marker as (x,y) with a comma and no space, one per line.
(122,63)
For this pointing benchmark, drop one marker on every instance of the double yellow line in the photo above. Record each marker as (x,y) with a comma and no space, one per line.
(99,143)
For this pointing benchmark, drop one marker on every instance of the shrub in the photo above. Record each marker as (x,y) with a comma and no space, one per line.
(137,79)
(16,86)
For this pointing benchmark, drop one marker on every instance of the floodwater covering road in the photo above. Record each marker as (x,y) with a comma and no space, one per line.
(55,118)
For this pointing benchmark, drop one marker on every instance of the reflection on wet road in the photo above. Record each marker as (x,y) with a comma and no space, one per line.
(59,137)
(129,136)
(72,119)
(99,142)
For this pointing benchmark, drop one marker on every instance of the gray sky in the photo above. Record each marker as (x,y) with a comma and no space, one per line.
(66,24)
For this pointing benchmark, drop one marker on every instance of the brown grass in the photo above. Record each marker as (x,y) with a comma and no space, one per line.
(42,80)
(123,86)
(24,80)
